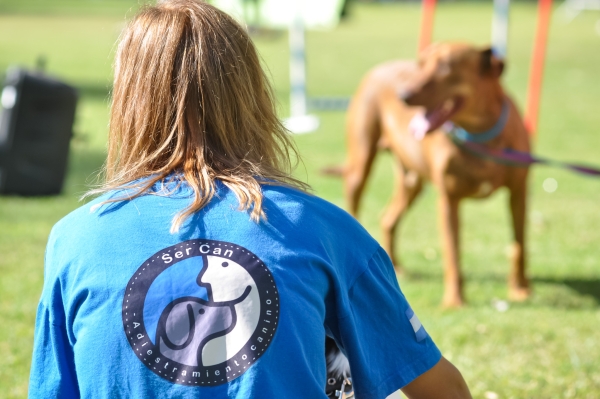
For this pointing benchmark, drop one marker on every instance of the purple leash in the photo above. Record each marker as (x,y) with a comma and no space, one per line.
(518,158)
(475,144)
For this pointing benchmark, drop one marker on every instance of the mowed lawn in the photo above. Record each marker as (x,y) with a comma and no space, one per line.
(547,347)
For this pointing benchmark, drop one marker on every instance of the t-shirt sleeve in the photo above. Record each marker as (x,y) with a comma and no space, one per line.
(386,345)
(52,366)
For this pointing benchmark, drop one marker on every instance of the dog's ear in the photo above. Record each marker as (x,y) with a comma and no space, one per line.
(490,64)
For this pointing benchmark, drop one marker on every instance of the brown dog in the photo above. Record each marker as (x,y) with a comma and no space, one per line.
(450,82)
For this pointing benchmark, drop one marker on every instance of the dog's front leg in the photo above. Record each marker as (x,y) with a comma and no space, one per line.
(518,285)
(449,230)
(407,188)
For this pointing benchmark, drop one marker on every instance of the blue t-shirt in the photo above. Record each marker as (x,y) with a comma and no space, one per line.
(224,308)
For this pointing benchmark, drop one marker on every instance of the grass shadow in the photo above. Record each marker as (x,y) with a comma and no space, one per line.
(431,274)
(584,287)
(548,291)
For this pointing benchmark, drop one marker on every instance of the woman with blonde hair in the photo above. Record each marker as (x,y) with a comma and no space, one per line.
(204,269)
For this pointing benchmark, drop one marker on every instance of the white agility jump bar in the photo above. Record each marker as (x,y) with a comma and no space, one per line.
(299,121)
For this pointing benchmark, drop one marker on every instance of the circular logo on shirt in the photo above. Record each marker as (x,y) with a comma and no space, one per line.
(201,312)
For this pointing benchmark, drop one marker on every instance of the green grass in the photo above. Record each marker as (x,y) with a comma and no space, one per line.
(548,347)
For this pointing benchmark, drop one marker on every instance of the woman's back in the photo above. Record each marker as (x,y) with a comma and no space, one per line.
(226,303)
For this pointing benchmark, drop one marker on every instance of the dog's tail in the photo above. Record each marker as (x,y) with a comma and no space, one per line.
(334,171)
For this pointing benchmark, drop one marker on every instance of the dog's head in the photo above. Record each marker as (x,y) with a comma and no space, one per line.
(449,83)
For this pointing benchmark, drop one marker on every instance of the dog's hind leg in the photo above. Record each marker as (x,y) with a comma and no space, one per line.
(363,134)
(408,186)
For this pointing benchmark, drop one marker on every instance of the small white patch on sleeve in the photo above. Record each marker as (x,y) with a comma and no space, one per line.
(395,395)
(415,323)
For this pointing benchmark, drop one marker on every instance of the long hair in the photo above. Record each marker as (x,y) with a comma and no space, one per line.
(190,98)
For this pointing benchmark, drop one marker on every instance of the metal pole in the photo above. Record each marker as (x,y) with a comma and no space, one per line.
(427,19)
(298,122)
(537,66)
(500,28)
(297,67)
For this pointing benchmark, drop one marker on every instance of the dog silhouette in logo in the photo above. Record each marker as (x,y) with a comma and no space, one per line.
(196,332)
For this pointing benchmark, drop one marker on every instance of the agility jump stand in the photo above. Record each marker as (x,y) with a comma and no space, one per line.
(500,46)
(299,121)
(536,72)
(499,26)
(427,19)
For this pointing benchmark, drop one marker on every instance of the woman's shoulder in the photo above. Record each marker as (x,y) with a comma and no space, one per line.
(313,214)
(78,215)
(88,220)
(305,202)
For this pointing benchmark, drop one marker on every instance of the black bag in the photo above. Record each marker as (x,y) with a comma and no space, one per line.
(36,126)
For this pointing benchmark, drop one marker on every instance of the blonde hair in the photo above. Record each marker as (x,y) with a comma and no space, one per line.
(191,98)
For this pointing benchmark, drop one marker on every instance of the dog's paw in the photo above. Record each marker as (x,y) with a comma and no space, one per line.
(519,294)
(399,269)
(452,302)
